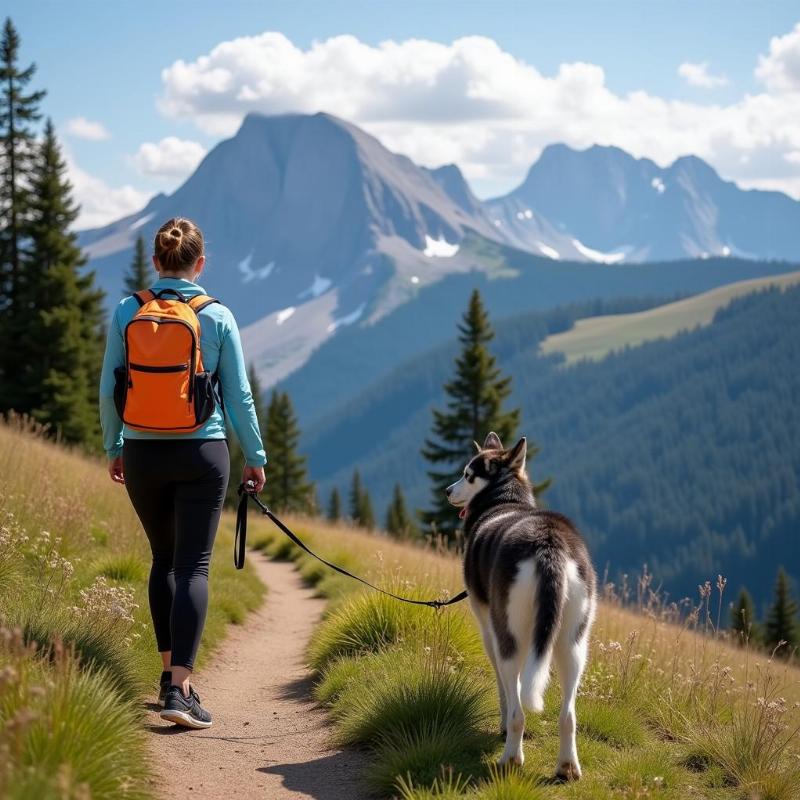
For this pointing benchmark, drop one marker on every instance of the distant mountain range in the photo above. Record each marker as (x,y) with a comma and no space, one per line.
(603,205)
(312,225)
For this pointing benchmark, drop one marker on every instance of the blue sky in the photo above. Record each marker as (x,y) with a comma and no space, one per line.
(103,61)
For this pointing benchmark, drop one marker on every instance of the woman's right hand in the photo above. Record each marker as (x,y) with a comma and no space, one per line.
(115,469)
(256,475)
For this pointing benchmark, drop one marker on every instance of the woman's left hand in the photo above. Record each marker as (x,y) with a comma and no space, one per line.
(115,469)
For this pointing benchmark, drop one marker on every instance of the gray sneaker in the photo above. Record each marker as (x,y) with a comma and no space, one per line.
(185,711)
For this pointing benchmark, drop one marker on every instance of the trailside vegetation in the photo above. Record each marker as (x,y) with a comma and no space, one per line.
(77,649)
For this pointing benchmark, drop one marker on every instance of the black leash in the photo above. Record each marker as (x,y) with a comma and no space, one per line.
(241,539)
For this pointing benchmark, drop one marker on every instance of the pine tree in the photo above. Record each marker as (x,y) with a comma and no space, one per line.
(354,500)
(781,622)
(366,516)
(743,618)
(140,274)
(60,339)
(237,456)
(18,112)
(474,407)
(334,506)
(361,512)
(398,521)
(287,487)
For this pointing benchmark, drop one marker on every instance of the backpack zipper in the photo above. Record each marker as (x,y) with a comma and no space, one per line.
(147,368)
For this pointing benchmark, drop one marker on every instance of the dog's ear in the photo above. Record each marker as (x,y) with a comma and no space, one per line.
(516,456)
(477,446)
(492,442)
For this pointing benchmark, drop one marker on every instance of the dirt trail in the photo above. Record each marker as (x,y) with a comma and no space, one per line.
(269,739)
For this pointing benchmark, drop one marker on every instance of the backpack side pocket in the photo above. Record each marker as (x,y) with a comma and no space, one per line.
(204,396)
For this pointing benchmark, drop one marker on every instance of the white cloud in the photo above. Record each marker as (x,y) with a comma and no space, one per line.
(697,74)
(472,103)
(169,158)
(82,128)
(780,68)
(99,202)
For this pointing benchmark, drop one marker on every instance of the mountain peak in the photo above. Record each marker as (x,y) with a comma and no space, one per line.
(695,166)
(455,186)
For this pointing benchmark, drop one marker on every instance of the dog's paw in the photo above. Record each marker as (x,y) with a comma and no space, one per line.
(568,771)
(512,759)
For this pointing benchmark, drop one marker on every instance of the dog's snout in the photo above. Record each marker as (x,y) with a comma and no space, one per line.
(449,490)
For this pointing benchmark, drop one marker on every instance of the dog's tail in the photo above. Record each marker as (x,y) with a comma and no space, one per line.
(550,588)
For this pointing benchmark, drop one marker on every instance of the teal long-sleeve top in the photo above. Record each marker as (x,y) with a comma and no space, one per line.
(221,349)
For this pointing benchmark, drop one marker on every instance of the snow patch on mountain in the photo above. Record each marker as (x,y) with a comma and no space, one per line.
(141,221)
(348,319)
(597,255)
(250,274)
(439,248)
(548,251)
(318,287)
(658,185)
(284,314)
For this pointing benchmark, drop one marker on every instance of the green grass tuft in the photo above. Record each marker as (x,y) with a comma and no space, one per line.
(370,622)
(420,753)
(614,723)
(409,692)
(123,567)
(66,728)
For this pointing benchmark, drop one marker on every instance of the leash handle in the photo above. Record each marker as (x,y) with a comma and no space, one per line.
(241,535)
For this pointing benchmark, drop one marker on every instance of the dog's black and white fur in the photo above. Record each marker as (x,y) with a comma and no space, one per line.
(532,588)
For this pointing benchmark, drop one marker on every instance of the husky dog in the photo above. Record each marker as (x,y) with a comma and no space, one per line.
(532,588)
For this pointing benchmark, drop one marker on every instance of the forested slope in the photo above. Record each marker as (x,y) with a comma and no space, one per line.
(683,453)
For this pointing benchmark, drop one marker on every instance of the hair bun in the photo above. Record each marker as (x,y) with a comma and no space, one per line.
(177,246)
(171,239)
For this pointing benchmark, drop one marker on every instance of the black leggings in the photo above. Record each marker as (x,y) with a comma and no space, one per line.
(177,487)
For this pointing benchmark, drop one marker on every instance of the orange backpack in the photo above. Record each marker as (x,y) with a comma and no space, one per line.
(163,387)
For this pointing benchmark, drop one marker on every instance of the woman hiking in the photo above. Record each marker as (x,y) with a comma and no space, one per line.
(170,350)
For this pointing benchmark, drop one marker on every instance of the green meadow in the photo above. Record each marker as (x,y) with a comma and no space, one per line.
(595,337)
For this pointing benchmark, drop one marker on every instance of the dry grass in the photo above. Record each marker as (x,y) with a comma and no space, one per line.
(669,708)
(75,632)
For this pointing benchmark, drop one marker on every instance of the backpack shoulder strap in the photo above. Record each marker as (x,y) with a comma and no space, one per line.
(145,296)
(200,301)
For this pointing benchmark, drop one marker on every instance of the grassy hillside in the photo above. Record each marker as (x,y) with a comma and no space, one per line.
(596,337)
(76,645)
(680,453)
(667,709)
